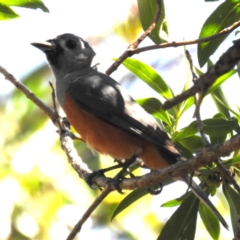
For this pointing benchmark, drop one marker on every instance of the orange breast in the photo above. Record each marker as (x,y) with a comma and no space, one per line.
(111,140)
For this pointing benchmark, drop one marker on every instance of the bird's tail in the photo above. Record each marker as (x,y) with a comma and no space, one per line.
(204,198)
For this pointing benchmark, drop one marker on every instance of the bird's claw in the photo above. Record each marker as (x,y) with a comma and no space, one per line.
(91,176)
(155,190)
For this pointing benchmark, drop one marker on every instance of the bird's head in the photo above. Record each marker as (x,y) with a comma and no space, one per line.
(67,53)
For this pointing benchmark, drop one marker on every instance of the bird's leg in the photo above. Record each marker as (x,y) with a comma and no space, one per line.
(119,177)
(128,171)
(101,172)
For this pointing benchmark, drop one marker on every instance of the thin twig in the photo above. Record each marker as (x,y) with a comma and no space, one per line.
(48,111)
(89,211)
(204,157)
(135,45)
(127,53)
(55,107)
(225,172)
(225,63)
(188,42)
(197,111)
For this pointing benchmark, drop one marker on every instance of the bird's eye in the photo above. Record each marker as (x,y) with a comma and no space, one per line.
(71,44)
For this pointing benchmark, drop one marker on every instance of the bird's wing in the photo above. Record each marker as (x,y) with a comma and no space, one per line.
(103,97)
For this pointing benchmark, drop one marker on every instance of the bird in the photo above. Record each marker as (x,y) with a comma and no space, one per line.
(107,118)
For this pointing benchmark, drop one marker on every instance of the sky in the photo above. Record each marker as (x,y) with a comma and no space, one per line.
(97,18)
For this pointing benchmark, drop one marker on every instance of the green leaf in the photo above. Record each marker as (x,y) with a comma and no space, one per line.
(151,105)
(237,115)
(188,131)
(219,126)
(182,224)
(218,139)
(33,4)
(234,161)
(186,105)
(172,203)
(184,151)
(147,12)
(224,16)
(217,95)
(192,143)
(149,76)
(210,221)
(134,196)
(190,101)
(6,12)
(221,80)
(233,199)
(128,200)
(154,106)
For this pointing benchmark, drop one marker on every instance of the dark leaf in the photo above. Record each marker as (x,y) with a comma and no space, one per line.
(182,224)
(188,131)
(154,106)
(128,200)
(151,105)
(238,69)
(184,151)
(224,16)
(217,95)
(7,13)
(133,197)
(192,143)
(233,199)
(210,221)
(33,4)
(218,139)
(149,76)
(219,126)
(147,12)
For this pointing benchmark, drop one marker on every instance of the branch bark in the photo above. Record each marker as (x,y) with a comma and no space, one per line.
(130,52)
(204,157)
(225,63)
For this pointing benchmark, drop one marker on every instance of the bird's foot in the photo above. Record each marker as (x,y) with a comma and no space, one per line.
(156,189)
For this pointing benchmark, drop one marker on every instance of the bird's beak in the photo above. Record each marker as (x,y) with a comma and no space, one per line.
(45,47)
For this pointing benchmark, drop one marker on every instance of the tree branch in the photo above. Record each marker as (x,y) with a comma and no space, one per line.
(135,45)
(188,42)
(130,52)
(204,157)
(89,211)
(48,111)
(225,63)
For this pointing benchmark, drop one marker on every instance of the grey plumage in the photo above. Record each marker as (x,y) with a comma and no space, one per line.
(70,58)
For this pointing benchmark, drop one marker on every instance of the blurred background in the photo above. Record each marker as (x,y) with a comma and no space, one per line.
(41,197)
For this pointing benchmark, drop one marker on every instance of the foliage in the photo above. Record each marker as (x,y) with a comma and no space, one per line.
(6,11)
(41,196)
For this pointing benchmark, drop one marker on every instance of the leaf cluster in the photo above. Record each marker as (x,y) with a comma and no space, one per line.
(223,124)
